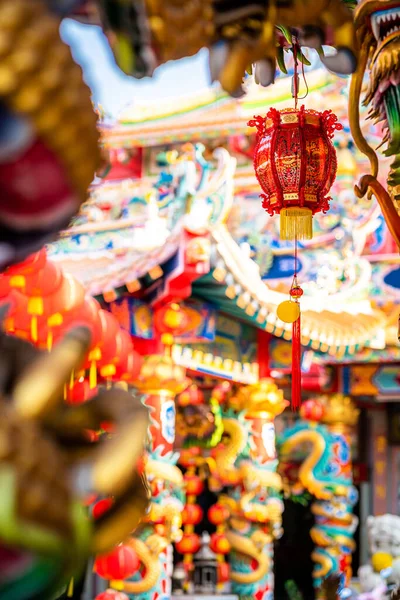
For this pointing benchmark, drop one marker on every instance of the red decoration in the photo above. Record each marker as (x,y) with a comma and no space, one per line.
(193,485)
(190,543)
(101,507)
(223,572)
(218,514)
(295,164)
(80,392)
(192,514)
(219,543)
(111,595)
(312,410)
(193,396)
(170,321)
(120,563)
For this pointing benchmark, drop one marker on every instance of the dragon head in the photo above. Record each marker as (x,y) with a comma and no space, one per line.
(377,24)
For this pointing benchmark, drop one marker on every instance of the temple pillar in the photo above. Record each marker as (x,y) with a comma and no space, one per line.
(247,464)
(160,380)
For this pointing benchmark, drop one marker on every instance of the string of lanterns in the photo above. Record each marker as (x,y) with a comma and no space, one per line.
(44,303)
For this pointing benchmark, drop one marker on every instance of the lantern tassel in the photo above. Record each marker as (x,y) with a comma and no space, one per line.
(34,329)
(93,375)
(296,364)
(296,223)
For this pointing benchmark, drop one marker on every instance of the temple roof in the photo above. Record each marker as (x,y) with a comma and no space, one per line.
(211,113)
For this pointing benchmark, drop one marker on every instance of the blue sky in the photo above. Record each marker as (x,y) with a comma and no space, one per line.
(114,90)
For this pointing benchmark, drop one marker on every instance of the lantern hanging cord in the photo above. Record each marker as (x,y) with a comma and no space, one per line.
(295,86)
(294,282)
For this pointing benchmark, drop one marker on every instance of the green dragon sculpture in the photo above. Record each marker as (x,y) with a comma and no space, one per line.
(377,24)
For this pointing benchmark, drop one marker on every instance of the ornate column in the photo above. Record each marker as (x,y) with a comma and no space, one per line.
(160,381)
(323,438)
(247,464)
(334,522)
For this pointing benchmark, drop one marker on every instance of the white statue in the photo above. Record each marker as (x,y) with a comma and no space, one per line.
(384,543)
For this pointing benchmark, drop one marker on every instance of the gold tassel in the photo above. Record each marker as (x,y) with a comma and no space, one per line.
(93,375)
(34,329)
(296,223)
(49,341)
(72,380)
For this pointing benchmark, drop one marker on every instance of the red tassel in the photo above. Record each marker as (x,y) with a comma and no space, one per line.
(296,365)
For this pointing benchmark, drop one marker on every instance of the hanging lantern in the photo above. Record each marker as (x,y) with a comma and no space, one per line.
(192,514)
(79,392)
(122,562)
(295,164)
(170,321)
(190,543)
(218,514)
(219,543)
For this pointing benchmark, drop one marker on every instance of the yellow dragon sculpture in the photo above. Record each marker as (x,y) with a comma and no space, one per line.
(246,462)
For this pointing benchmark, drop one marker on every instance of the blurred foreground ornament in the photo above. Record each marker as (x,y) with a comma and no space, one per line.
(48,147)
(48,468)
(295,164)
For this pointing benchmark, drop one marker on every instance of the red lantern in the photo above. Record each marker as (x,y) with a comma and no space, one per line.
(193,485)
(218,514)
(80,392)
(112,595)
(101,507)
(192,514)
(190,543)
(223,572)
(170,321)
(191,397)
(295,164)
(219,543)
(122,562)
(32,264)
(312,410)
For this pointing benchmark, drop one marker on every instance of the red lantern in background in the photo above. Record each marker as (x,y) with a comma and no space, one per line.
(192,396)
(218,514)
(122,562)
(194,485)
(80,392)
(219,544)
(192,514)
(295,164)
(223,572)
(170,321)
(312,410)
(101,507)
(190,543)
(112,595)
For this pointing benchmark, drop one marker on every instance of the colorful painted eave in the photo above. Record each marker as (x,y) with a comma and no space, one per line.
(335,324)
(210,113)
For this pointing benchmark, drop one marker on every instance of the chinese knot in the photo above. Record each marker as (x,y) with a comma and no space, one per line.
(295,164)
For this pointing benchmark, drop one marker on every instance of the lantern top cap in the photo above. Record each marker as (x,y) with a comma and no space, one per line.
(299,117)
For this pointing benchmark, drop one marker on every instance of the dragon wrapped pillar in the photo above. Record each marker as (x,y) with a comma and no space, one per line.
(160,380)
(245,466)
(325,472)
